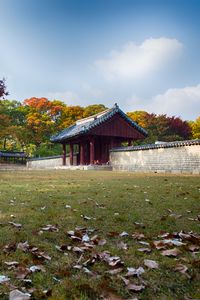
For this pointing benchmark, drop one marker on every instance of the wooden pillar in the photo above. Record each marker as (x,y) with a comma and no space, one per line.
(64,154)
(129,142)
(71,155)
(112,143)
(92,151)
(82,153)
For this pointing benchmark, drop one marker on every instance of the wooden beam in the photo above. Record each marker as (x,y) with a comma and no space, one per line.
(64,154)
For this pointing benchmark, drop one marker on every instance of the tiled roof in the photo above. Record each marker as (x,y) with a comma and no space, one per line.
(13,154)
(156,146)
(85,125)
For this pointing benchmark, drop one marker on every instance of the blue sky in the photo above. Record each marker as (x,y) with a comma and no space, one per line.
(142,54)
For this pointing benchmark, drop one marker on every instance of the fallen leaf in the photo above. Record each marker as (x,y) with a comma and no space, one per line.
(172,252)
(115,271)
(23,246)
(87,271)
(138,236)
(151,264)
(17,225)
(135,272)
(124,233)
(4,278)
(77,267)
(144,243)
(33,250)
(47,293)
(67,206)
(181,268)
(135,288)
(18,295)
(125,280)
(113,234)
(145,250)
(140,225)
(87,218)
(114,261)
(37,268)
(122,245)
(11,263)
(102,242)
(100,205)
(174,215)
(77,249)
(159,245)
(50,228)
(171,242)
(85,238)
(193,248)
(148,201)
(22,272)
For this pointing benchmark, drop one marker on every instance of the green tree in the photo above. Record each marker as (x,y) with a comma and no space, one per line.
(93,110)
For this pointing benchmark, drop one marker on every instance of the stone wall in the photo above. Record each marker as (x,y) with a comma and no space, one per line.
(177,159)
(45,162)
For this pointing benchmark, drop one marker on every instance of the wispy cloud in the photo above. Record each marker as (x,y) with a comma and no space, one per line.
(137,61)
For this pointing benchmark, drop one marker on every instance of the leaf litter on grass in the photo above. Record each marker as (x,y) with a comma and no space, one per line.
(93,255)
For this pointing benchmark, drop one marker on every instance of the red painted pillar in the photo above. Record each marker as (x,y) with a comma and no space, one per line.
(82,153)
(64,154)
(71,155)
(111,144)
(92,151)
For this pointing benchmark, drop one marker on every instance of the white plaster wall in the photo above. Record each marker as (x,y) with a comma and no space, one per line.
(48,163)
(185,159)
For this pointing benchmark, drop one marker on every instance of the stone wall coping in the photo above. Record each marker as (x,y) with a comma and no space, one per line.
(157,146)
(44,158)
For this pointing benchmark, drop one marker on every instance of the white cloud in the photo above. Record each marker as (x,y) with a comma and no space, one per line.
(183,102)
(136,61)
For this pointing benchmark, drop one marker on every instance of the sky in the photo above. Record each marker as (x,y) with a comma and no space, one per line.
(142,54)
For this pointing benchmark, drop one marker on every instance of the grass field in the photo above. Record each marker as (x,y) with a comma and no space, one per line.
(82,253)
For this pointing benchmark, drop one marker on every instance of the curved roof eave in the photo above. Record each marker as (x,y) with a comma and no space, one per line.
(75,131)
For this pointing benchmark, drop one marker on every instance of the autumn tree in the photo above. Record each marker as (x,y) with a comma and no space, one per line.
(29,125)
(161,127)
(70,115)
(195,127)
(140,117)
(39,119)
